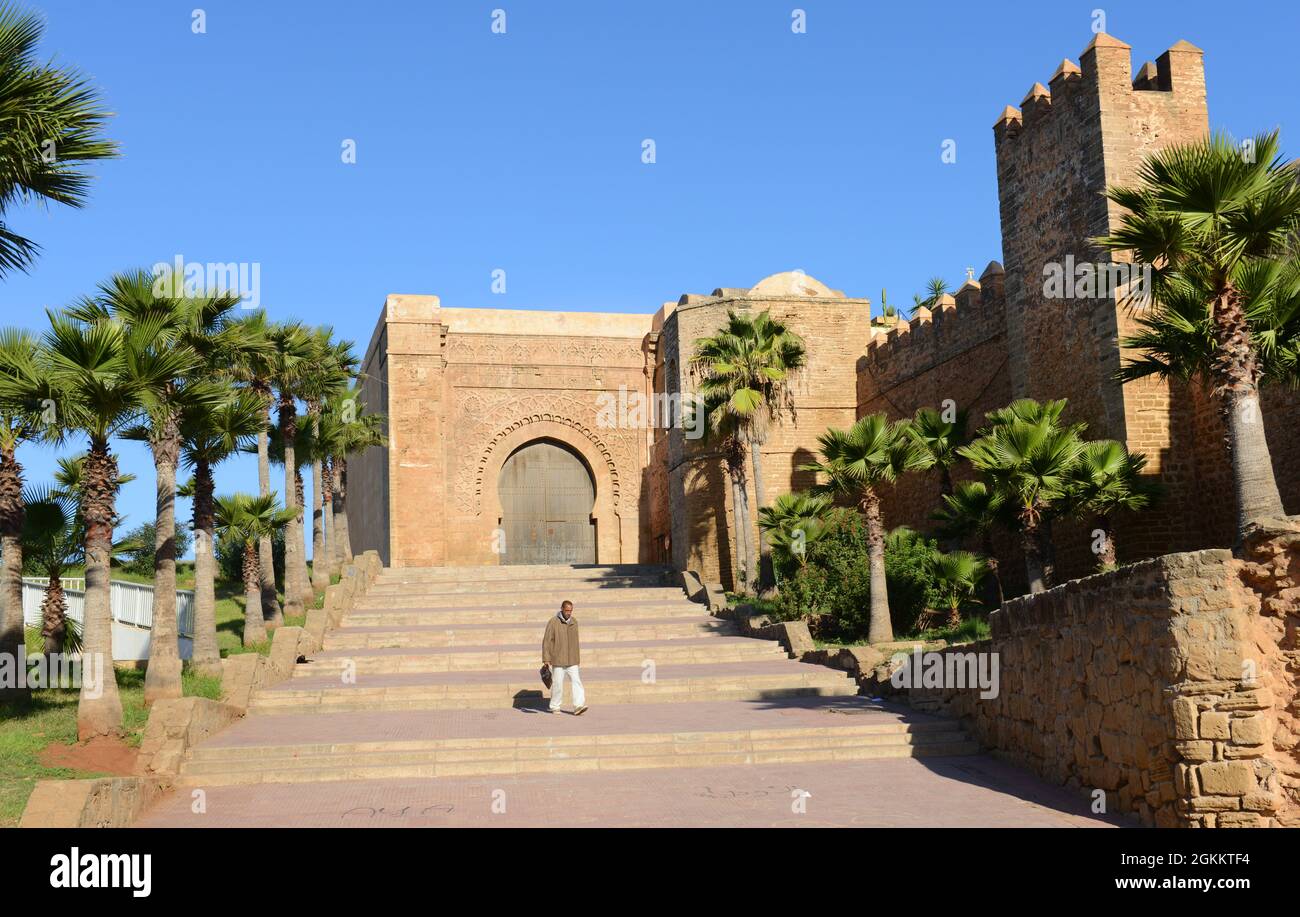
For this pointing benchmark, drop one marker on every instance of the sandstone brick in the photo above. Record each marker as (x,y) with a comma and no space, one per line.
(1226,778)
(1214,726)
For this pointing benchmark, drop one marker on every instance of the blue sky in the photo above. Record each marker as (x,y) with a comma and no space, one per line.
(522,151)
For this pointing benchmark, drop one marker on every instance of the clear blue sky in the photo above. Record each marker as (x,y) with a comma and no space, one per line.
(477,151)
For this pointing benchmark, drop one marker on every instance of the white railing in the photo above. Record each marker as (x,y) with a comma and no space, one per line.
(69,582)
(132,604)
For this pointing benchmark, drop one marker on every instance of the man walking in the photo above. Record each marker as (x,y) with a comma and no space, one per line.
(560,655)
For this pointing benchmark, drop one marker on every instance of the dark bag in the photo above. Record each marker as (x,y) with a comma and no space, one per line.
(546,676)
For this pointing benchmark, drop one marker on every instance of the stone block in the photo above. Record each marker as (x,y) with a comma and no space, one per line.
(1227,778)
(1215,726)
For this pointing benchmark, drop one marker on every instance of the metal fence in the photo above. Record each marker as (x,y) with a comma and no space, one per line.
(132,603)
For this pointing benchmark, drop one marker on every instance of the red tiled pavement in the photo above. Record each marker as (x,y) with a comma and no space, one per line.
(974,791)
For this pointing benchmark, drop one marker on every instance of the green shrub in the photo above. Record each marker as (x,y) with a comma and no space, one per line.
(836,583)
(137,547)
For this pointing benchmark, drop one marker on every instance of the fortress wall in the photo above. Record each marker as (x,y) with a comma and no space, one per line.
(1056,156)
(958,354)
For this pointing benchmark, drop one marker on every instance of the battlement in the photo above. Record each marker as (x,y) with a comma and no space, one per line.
(933,336)
(1104,75)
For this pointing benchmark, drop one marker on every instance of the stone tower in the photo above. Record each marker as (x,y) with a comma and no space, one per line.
(1088,129)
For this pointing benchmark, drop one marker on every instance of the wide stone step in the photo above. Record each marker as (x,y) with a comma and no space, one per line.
(479,658)
(750,680)
(521,614)
(517,596)
(518,573)
(577,586)
(357,636)
(452,758)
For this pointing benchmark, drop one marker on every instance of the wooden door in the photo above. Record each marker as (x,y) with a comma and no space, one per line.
(546,500)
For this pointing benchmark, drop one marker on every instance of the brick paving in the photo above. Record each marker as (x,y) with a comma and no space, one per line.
(656,759)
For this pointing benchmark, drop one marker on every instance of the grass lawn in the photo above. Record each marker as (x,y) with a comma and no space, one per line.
(50,717)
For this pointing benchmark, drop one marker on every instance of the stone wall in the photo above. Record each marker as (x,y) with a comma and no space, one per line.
(1171,685)
(835,329)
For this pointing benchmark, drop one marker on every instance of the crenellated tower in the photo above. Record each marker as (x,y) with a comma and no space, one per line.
(1089,128)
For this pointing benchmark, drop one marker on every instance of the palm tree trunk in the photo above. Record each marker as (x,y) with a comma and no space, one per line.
(1236,381)
(331,522)
(342,536)
(304,571)
(320,568)
(995,575)
(1106,554)
(270,601)
(740,575)
(1047,551)
(764,549)
(881,627)
(12,639)
(99,708)
(294,587)
(162,679)
(954,616)
(54,615)
(206,659)
(1032,545)
(254,623)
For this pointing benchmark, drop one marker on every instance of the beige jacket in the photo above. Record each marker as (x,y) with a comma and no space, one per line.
(560,643)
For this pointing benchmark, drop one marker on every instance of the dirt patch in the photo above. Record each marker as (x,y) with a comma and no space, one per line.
(102,755)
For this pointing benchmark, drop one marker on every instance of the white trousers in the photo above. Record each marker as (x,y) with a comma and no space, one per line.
(557,686)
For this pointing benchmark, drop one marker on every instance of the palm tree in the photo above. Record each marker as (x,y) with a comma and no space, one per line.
(1051,413)
(745,370)
(974,508)
(956,576)
(795,522)
(935,290)
(170,369)
(209,437)
(52,541)
(346,430)
(1175,337)
(51,124)
(1204,211)
(255,368)
(332,370)
(940,439)
(857,463)
(242,520)
(1028,464)
(85,365)
(290,362)
(20,417)
(1107,479)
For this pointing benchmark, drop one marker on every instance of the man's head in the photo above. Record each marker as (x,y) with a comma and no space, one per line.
(566,609)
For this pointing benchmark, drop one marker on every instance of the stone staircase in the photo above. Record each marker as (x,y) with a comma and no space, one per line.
(434,674)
